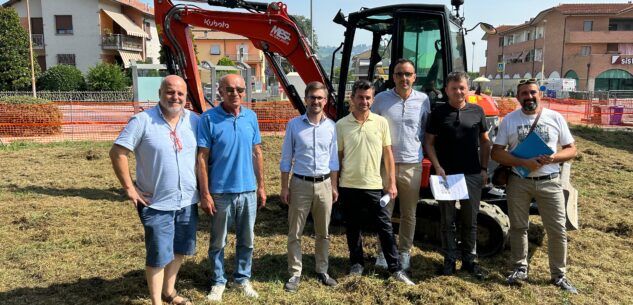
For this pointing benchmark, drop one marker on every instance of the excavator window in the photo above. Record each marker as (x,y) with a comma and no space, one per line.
(422,44)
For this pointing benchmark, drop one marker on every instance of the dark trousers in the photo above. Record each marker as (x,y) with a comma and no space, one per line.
(355,200)
(467,221)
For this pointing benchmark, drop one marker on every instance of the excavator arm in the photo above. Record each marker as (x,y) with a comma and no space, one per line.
(270,30)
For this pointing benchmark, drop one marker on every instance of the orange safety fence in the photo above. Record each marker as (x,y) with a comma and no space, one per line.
(62,121)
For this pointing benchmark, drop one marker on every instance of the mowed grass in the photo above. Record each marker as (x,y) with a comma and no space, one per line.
(70,237)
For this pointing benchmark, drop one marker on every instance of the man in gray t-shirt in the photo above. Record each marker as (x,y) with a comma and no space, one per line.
(406,111)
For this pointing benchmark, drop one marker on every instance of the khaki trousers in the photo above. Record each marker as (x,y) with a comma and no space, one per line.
(408,177)
(551,206)
(306,197)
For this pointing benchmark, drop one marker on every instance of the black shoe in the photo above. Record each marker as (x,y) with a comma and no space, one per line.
(448,268)
(326,280)
(292,284)
(475,270)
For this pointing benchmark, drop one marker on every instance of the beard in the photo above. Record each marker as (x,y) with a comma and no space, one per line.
(529,104)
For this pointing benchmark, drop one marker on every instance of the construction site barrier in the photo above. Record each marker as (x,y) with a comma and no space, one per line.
(91,120)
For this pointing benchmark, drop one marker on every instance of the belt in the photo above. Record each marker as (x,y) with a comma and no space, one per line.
(312,179)
(546,177)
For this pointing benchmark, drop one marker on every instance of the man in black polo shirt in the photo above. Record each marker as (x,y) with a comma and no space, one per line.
(456,131)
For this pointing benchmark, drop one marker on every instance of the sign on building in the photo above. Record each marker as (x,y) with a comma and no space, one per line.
(621,60)
(500,67)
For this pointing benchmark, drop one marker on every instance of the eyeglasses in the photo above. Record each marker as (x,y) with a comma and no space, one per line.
(232,90)
(315,98)
(405,74)
(174,137)
(528,81)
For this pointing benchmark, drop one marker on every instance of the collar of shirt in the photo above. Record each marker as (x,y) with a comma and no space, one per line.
(228,114)
(371,117)
(304,117)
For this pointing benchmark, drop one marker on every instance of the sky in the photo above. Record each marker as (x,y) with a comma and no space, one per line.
(495,12)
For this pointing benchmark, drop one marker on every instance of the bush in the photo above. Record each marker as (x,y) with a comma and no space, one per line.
(24,116)
(106,77)
(62,78)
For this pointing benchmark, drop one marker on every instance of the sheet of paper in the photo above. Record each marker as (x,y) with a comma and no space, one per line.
(454,188)
(385,200)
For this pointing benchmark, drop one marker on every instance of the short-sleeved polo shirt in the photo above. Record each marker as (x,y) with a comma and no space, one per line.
(362,145)
(167,174)
(230,140)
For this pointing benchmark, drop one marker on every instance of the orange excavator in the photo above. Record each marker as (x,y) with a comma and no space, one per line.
(432,36)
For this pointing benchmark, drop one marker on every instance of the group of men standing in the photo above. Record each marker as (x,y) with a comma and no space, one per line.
(364,161)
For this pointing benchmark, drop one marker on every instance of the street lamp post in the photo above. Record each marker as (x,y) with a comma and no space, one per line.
(472,65)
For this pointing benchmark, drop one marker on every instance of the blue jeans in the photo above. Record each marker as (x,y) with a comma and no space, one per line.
(241,209)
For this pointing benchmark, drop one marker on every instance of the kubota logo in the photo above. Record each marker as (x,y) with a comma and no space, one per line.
(216,24)
(280,34)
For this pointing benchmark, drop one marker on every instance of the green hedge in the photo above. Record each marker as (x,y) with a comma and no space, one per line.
(23,100)
(29,117)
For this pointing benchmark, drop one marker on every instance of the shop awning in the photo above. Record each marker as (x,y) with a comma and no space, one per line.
(123,21)
(130,56)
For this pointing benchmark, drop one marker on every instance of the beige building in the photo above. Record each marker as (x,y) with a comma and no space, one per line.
(214,45)
(591,43)
(83,33)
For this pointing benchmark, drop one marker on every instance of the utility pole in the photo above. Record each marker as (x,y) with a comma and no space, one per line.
(311,26)
(543,55)
(28,17)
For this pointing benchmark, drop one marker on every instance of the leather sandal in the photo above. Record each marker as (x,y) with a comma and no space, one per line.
(170,299)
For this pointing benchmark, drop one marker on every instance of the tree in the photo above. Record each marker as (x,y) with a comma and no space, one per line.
(225,61)
(106,77)
(305,25)
(15,65)
(62,78)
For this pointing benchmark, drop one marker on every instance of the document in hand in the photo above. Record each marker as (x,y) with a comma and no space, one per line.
(454,188)
(532,146)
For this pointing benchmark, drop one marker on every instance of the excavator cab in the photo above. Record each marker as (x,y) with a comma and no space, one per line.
(429,35)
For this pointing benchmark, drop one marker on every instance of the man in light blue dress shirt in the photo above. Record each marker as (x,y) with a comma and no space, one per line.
(406,111)
(163,140)
(310,151)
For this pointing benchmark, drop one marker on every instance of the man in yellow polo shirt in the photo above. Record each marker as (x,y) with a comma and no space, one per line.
(363,141)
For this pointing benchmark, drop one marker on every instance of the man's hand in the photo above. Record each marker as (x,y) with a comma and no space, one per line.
(440,172)
(532,164)
(545,159)
(334,195)
(138,197)
(392,191)
(285,195)
(484,175)
(261,197)
(207,204)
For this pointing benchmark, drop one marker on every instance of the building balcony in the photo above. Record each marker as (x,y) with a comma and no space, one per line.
(257,57)
(38,41)
(600,37)
(121,42)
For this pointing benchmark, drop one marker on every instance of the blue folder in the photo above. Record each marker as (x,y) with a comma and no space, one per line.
(531,147)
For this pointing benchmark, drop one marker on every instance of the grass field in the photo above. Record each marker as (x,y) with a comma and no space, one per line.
(69,237)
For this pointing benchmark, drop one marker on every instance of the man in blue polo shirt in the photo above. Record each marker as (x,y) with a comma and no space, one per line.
(310,142)
(163,140)
(231,180)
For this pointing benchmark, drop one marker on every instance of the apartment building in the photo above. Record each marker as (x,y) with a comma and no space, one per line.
(214,45)
(83,33)
(591,43)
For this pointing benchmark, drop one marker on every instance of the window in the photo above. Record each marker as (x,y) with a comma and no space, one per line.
(64,24)
(501,41)
(66,59)
(509,40)
(538,55)
(528,35)
(499,58)
(539,33)
(587,26)
(148,30)
(612,48)
(585,50)
(620,24)
(215,50)
(529,57)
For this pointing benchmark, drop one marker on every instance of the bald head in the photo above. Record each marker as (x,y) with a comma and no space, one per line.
(173,94)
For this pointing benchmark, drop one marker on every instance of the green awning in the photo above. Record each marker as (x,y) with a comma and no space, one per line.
(615,73)
(571,74)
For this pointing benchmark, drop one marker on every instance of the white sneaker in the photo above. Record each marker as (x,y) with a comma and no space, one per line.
(381,262)
(247,289)
(405,260)
(216,293)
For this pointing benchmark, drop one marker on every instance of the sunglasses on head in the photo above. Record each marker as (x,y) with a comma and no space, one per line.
(232,90)
(528,81)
